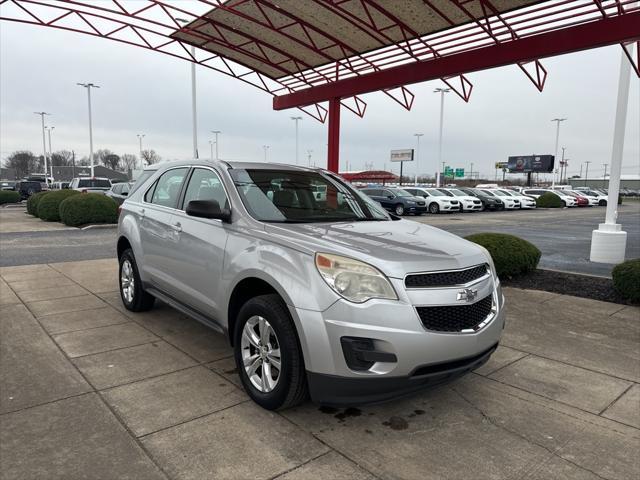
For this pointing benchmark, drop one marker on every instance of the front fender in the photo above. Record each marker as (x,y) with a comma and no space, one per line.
(128,227)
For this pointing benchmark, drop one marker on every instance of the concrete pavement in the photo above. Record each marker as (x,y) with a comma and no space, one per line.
(89,390)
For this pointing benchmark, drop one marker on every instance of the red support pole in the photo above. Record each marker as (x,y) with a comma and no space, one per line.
(333,150)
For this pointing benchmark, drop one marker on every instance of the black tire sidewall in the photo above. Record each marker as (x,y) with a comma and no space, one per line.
(434,210)
(399,207)
(289,349)
(137,290)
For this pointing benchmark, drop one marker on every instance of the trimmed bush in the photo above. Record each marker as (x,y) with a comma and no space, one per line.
(49,206)
(626,279)
(9,196)
(511,255)
(548,200)
(32,203)
(88,208)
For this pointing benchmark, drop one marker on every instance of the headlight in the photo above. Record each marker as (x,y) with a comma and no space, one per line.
(352,279)
(410,202)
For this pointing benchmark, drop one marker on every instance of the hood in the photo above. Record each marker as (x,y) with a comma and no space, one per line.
(394,247)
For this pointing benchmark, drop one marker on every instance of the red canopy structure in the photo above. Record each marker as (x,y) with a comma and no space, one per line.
(369,176)
(308,52)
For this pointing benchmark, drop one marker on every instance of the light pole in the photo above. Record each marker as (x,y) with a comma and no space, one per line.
(44,146)
(89,86)
(562,164)
(296,119)
(50,151)
(266,149)
(194,112)
(441,91)
(140,137)
(309,152)
(216,132)
(211,142)
(586,172)
(471,171)
(605,165)
(417,135)
(557,120)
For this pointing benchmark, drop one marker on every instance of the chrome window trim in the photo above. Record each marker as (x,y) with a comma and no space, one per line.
(162,172)
(218,174)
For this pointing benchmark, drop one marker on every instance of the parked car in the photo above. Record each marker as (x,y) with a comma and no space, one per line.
(336,298)
(90,185)
(489,202)
(581,199)
(119,191)
(601,198)
(60,185)
(28,188)
(397,200)
(525,201)
(567,200)
(7,185)
(468,203)
(510,203)
(436,201)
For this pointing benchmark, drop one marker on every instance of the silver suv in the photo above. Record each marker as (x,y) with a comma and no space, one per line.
(329,296)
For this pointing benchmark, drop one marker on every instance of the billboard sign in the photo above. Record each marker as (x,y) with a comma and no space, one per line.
(405,155)
(531,163)
(501,165)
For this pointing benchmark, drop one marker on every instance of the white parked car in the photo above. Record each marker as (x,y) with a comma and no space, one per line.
(567,200)
(510,203)
(525,201)
(436,200)
(91,185)
(601,198)
(469,203)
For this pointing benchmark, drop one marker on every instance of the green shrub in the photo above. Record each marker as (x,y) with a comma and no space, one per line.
(49,206)
(511,255)
(32,203)
(9,196)
(626,279)
(88,208)
(548,200)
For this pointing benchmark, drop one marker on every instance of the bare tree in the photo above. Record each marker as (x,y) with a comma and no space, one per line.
(150,157)
(84,162)
(62,158)
(23,162)
(102,156)
(112,161)
(128,161)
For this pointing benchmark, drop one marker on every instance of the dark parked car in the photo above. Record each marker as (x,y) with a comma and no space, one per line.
(397,200)
(7,185)
(488,202)
(119,192)
(28,188)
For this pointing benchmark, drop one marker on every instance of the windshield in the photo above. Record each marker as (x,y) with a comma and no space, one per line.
(488,193)
(500,193)
(458,193)
(94,183)
(289,196)
(400,193)
(438,193)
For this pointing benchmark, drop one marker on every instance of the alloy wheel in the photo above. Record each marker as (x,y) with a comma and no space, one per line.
(127,281)
(261,354)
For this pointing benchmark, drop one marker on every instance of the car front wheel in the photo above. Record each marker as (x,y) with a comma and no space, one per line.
(434,208)
(399,209)
(268,355)
(134,297)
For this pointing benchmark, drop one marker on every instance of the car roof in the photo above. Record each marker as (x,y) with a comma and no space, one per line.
(234,165)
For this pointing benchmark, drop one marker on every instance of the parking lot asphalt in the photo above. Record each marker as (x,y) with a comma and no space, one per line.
(90,390)
(563,236)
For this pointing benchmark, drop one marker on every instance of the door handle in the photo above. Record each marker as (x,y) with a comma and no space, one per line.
(177,227)
(141,212)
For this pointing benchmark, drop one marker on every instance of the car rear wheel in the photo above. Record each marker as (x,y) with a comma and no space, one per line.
(134,297)
(434,208)
(602,203)
(268,354)
(564,204)
(399,209)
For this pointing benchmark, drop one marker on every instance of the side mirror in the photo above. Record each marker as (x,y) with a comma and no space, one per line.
(207,209)
(390,197)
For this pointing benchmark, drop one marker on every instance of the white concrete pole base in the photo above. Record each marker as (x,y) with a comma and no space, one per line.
(608,243)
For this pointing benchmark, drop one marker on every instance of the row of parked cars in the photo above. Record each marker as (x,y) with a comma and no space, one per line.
(419,200)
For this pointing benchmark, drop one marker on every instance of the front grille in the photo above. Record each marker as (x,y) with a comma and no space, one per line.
(454,202)
(420,204)
(455,318)
(445,279)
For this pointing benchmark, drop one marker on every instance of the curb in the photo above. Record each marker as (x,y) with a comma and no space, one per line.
(99,226)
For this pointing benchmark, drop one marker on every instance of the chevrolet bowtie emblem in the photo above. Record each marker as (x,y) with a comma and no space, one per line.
(467,294)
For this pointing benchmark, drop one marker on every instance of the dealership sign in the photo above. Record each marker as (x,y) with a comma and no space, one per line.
(531,163)
(405,155)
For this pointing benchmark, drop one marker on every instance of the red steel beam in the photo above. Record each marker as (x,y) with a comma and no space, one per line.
(333,148)
(600,33)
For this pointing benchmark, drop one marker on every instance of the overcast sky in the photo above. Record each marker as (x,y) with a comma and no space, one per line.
(148,92)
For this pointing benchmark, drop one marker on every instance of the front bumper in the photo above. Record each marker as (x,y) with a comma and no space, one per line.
(395,328)
(468,206)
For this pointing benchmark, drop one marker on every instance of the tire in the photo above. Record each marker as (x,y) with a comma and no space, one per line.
(135,298)
(290,386)
(399,209)
(564,204)
(602,203)
(434,208)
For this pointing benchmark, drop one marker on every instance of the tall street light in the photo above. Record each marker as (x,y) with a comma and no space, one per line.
(194,112)
(296,119)
(605,165)
(44,146)
(557,120)
(211,142)
(216,132)
(266,149)
(309,152)
(89,86)
(50,151)
(586,172)
(140,137)
(417,135)
(441,91)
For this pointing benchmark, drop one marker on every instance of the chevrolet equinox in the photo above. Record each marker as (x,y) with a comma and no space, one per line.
(328,296)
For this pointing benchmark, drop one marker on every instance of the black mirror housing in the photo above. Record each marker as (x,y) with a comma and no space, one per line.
(207,209)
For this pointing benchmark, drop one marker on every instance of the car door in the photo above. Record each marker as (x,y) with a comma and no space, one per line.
(387,199)
(198,259)
(158,237)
